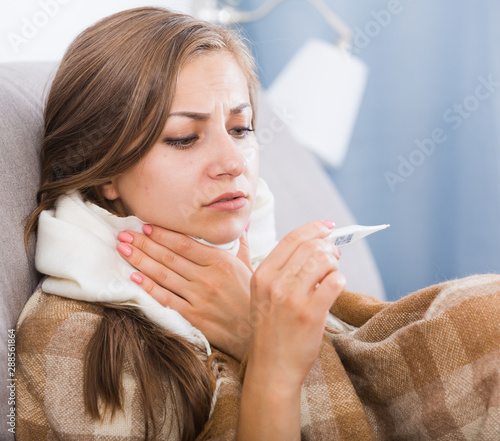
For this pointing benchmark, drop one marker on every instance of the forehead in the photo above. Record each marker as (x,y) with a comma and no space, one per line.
(208,78)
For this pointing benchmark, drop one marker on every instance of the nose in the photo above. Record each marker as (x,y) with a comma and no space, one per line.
(228,158)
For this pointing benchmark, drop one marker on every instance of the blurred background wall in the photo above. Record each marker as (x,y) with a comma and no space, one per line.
(425,152)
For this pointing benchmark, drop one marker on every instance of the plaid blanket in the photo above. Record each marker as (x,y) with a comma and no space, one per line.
(426,367)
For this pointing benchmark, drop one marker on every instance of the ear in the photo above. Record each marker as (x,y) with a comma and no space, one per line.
(110,191)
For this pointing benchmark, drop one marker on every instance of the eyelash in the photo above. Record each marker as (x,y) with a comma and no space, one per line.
(185,143)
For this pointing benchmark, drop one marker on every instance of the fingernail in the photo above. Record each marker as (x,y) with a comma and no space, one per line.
(125,237)
(124,249)
(248,226)
(148,229)
(330,224)
(340,253)
(136,277)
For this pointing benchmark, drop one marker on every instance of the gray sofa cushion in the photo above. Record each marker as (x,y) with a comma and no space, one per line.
(21,90)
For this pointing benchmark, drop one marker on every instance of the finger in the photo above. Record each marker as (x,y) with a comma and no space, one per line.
(161,254)
(182,245)
(310,264)
(161,295)
(328,291)
(244,251)
(161,274)
(282,252)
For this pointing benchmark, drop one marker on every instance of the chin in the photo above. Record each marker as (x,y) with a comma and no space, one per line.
(224,235)
(217,239)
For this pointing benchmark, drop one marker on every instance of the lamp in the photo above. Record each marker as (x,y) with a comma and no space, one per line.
(322,88)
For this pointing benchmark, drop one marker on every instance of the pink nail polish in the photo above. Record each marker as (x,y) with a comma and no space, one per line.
(125,237)
(136,277)
(124,249)
(248,226)
(329,223)
(340,253)
(148,229)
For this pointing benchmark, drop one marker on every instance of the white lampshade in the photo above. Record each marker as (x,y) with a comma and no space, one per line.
(320,91)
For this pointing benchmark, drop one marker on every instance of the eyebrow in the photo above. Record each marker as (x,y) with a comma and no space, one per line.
(204,116)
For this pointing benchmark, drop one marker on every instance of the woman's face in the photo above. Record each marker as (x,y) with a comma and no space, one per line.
(200,177)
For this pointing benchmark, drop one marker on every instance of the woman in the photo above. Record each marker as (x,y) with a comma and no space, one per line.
(149,157)
(151,115)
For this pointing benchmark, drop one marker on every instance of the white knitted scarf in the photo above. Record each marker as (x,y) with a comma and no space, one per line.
(76,248)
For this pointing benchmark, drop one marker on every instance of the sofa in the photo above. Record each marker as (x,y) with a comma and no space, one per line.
(303,192)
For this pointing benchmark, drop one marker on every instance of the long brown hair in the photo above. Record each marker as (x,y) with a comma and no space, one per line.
(107,106)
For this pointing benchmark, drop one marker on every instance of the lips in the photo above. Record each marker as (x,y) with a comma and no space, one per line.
(228,197)
(228,201)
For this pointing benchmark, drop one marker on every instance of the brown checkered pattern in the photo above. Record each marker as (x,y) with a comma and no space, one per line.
(53,334)
(424,368)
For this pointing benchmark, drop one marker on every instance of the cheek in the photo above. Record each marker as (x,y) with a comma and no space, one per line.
(145,184)
(174,182)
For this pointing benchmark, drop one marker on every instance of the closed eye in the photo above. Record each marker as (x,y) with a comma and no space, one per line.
(189,141)
(240,132)
(181,143)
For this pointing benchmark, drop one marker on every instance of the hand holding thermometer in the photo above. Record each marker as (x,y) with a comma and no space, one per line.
(352,233)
